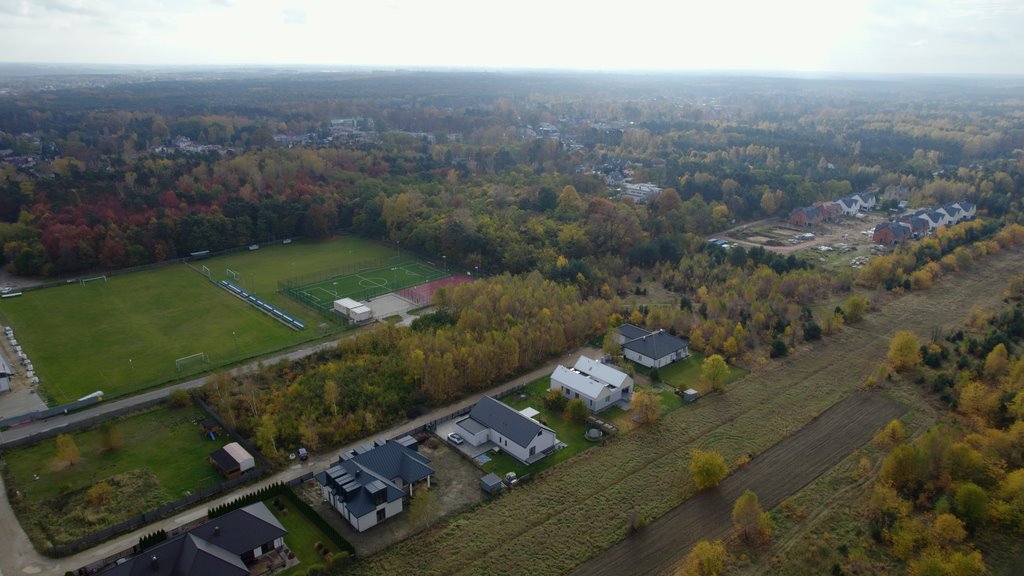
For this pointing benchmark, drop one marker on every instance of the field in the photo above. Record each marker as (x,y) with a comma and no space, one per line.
(368,283)
(164,458)
(125,334)
(686,373)
(582,508)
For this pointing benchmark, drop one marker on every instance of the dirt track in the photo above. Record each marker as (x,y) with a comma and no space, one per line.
(774,475)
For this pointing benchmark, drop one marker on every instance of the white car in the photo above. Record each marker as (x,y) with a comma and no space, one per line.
(455,439)
(6,290)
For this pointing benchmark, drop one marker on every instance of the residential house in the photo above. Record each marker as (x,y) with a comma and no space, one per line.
(515,433)
(652,349)
(851,204)
(806,216)
(226,546)
(645,192)
(598,385)
(368,485)
(889,233)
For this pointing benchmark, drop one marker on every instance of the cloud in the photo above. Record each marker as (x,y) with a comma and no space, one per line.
(291,16)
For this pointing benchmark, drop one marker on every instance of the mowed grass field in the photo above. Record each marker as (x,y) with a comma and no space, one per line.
(371,283)
(80,337)
(577,510)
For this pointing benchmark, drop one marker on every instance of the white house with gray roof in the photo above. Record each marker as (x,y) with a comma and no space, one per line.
(597,384)
(526,439)
(652,349)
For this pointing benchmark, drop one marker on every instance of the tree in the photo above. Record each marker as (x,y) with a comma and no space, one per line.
(779,348)
(947,530)
(645,405)
(854,308)
(67,451)
(749,518)
(99,495)
(576,411)
(423,508)
(611,344)
(706,559)
(179,398)
(714,372)
(110,436)
(904,351)
(707,468)
(266,435)
(555,401)
(891,435)
(996,362)
(331,395)
(971,505)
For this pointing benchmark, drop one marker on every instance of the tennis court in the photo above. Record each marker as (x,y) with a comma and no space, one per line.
(367,284)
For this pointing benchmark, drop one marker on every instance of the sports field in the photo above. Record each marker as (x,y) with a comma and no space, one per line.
(126,333)
(369,283)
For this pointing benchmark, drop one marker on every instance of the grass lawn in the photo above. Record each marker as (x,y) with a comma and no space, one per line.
(571,433)
(301,538)
(164,444)
(371,283)
(80,338)
(686,373)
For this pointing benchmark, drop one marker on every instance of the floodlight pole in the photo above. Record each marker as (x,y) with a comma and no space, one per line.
(131,373)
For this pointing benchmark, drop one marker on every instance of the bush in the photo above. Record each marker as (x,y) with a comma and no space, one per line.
(555,401)
(179,398)
(576,411)
(779,348)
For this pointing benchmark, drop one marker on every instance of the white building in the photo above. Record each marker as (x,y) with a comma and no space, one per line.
(513,432)
(353,310)
(652,349)
(597,384)
(645,192)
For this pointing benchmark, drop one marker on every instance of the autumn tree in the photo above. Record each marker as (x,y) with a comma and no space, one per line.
(855,308)
(947,531)
(423,508)
(576,411)
(714,372)
(266,435)
(99,495)
(891,435)
(611,345)
(67,451)
(971,505)
(331,396)
(750,519)
(111,437)
(708,468)
(706,559)
(904,351)
(996,363)
(645,405)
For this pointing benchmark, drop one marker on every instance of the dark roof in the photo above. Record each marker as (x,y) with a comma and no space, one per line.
(630,331)
(359,477)
(490,480)
(200,553)
(506,421)
(656,345)
(471,426)
(224,461)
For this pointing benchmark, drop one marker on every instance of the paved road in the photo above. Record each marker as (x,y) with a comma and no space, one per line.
(38,426)
(18,557)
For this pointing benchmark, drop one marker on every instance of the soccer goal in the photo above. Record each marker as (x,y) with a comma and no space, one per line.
(190,361)
(207,273)
(234,275)
(94,278)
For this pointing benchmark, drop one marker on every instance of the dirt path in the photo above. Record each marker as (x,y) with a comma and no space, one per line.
(774,475)
(18,557)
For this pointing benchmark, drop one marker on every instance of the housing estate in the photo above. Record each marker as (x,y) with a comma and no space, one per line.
(652,349)
(515,433)
(921,222)
(226,546)
(598,385)
(848,205)
(368,485)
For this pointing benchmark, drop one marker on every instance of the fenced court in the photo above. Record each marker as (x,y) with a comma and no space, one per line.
(319,290)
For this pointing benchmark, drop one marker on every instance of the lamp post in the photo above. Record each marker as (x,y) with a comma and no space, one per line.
(235,336)
(131,373)
(445,258)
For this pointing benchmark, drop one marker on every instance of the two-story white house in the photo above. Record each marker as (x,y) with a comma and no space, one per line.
(598,385)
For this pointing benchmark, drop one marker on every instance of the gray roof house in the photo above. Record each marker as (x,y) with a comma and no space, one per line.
(368,485)
(513,432)
(652,349)
(224,546)
(598,385)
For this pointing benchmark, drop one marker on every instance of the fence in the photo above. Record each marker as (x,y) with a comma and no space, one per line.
(79,425)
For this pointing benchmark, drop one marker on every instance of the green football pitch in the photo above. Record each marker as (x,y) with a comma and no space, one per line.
(368,283)
(125,334)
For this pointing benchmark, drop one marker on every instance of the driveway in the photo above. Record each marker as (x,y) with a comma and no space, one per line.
(18,557)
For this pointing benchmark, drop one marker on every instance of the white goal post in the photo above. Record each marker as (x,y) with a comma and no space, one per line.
(84,280)
(234,275)
(185,361)
(207,272)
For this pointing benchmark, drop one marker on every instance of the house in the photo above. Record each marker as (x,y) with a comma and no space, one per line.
(888,233)
(232,460)
(513,432)
(645,192)
(225,546)
(806,216)
(597,384)
(368,485)
(652,349)
(353,310)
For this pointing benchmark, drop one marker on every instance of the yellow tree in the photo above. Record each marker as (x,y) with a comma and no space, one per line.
(749,518)
(645,405)
(904,351)
(855,307)
(67,451)
(714,372)
(996,363)
(707,468)
(706,559)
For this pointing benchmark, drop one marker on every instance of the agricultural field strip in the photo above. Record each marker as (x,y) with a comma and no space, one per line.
(860,348)
(780,471)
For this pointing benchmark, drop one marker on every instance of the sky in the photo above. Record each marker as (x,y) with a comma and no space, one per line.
(804,36)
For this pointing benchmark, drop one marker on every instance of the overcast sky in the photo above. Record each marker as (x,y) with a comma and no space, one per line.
(857,36)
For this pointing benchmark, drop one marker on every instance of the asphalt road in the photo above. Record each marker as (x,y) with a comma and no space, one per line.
(17,556)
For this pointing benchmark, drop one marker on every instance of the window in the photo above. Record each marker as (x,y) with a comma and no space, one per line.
(533,450)
(381,515)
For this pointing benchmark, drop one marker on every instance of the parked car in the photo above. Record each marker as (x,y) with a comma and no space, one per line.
(303,454)
(455,439)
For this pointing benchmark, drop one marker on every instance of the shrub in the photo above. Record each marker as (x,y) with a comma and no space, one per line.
(179,398)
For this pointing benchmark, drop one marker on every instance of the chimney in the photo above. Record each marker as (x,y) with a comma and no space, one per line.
(216,530)
(154,563)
